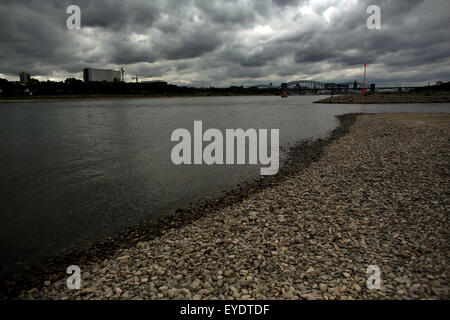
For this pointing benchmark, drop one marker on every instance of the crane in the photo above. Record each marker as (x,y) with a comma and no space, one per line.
(123,71)
(135,78)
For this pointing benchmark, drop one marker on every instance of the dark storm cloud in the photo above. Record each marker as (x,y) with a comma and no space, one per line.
(118,14)
(283,3)
(224,42)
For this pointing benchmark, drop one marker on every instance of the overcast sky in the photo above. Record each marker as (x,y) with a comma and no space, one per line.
(209,42)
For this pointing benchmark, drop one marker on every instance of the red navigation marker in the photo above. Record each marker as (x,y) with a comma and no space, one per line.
(364,85)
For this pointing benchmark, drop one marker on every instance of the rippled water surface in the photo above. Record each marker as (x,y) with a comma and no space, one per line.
(74,172)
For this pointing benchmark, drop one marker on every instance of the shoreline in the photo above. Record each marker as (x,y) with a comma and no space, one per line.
(386,98)
(374,193)
(94,98)
(391,98)
(298,157)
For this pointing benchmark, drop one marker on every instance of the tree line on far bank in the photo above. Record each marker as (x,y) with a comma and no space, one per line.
(76,87)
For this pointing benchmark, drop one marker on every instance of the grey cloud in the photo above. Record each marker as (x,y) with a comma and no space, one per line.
(226,41)
(283,3)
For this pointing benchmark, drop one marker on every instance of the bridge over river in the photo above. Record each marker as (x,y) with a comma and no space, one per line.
(317,87)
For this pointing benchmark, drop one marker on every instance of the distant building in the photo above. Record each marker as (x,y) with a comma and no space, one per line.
(24,77)
(90,74)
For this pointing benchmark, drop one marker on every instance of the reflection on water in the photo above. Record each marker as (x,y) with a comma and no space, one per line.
(75,172)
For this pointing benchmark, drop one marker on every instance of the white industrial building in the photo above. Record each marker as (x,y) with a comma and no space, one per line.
(90,74)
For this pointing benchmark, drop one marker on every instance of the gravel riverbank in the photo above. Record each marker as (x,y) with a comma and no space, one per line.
(434,97)
(379,195)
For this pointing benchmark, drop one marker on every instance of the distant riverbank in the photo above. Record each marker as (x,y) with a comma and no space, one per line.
(428,97)
(392,98)
(113,97)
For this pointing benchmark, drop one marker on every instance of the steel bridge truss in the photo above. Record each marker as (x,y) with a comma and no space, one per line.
(306,84)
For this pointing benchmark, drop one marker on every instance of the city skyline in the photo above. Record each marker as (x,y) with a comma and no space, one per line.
(215,43)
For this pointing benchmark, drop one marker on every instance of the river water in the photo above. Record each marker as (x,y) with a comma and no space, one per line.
(74,172)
